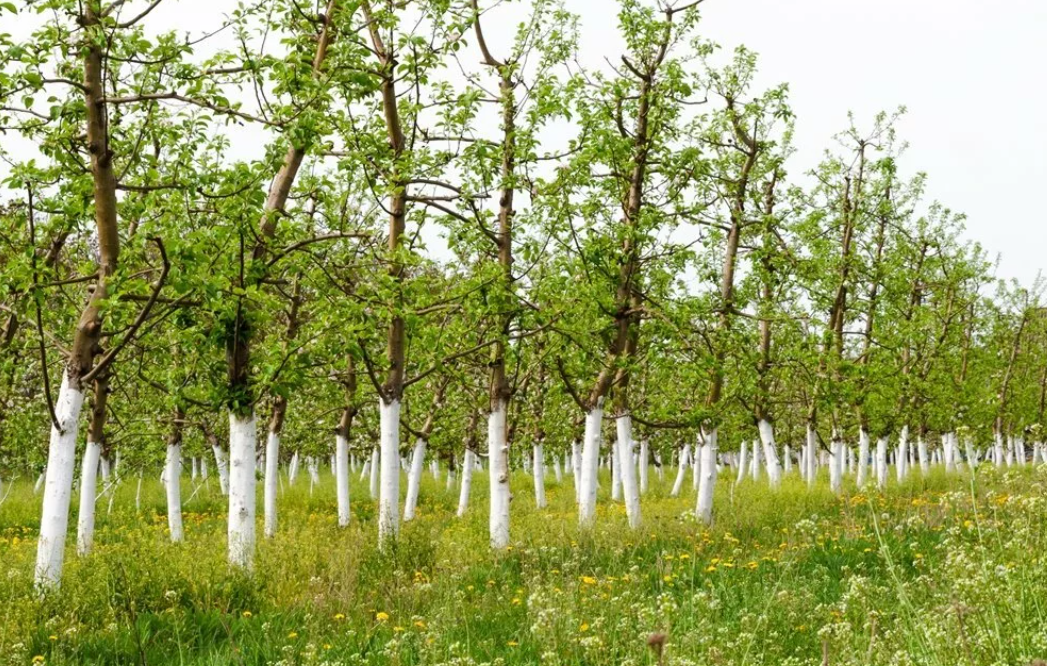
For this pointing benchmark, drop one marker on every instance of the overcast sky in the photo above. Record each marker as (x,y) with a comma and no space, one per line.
(972,74)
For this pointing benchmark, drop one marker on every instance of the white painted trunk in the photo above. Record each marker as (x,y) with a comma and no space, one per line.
(997,451)
(389,471)
(434,468)
(58,486)
(173,470)
(242,438)
(376,457)
(221,463)
(921,449)
(836,466)
(644,466)
(696,466)
(270,487)
(414,478)
(576,471)
(743,462)
(863,457)
(590,466)
(881,463)
(557,470)
(341,479)
(85,526)
(811,457)
(787,456)
(539,476)
(707,465)
(616,479)
(292,470)
(468,465)
(902,463)
(770,450)
(757,461)
(681,470)
(627,470)
(498,460)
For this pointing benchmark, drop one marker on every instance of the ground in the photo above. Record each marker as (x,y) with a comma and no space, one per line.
(940,570)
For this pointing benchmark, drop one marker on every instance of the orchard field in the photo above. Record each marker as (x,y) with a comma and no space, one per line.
(943,569)
(510,332)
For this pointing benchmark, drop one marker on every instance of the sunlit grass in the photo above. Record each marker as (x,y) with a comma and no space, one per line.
(936,571)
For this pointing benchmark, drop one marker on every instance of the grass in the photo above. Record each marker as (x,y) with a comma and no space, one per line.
(940,570)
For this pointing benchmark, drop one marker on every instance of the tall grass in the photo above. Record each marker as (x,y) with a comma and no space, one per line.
(940,570)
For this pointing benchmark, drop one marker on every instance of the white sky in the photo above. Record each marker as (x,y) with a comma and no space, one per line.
(970,72)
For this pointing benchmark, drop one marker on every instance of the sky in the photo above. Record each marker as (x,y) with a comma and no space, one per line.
(969,72)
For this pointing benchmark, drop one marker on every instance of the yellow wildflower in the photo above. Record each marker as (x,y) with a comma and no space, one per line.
(382,616)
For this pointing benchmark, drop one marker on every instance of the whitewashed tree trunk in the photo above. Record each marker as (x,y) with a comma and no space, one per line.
(341,478)
(627,469)
(468,464)
(590,465)
(997,450)
(434,468)
(292,470)
(194,467)
(85,527)
(863,457)
(376,468)
(221,463)
(681,470)
(743,462)
(414,479)
(707,464)
(389,471)
(644,465)
(921,449)
(836,465)
(881,462)
(616,479)
(58,486)
(173,469)
(498,460)
(271,480)
(757,461)
(949,452)
(242,437)
(811,456)
(539,475)
(313,465)
(902,464)
(696,465)
(576,471)
(557,470)
(770,450)
(787,456)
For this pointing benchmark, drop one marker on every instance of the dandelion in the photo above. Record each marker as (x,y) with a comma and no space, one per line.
(512,643)
(293,635)
(339,616)
(327,646)
(584,628)
(52,638)
(588,580)
(382,616)
(247,614)
(38,659)
(516,601)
